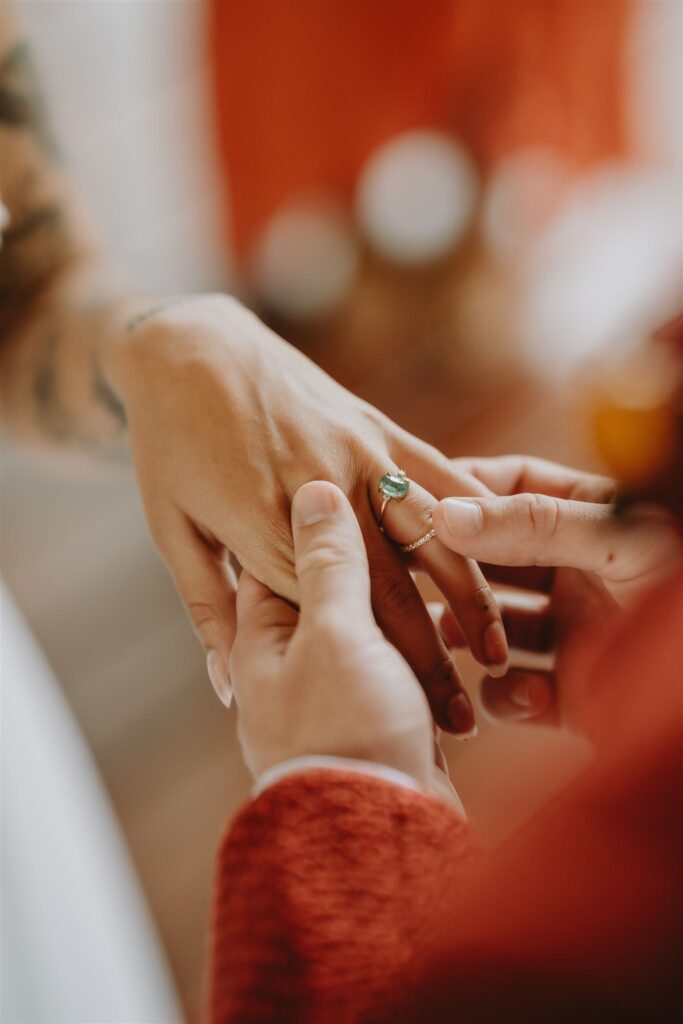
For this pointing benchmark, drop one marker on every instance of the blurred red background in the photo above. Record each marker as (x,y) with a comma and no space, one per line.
(306,91)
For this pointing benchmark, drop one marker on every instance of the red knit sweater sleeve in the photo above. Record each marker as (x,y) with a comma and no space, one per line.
(328,891)
(342,898)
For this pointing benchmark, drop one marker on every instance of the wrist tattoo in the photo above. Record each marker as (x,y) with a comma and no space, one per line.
(54,417)
(107,398)
(152,311)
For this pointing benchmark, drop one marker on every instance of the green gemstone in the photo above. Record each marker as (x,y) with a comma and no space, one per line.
(394,485)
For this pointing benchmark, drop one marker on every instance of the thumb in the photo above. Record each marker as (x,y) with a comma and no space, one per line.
(329,550)
(536,529)
(206,585)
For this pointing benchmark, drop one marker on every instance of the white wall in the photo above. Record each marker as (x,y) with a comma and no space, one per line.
(126,82)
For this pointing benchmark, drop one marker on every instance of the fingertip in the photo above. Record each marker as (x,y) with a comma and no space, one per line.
(219,677)
(457,518)
(461,716)
(451,630)
(530,692)
(496,649)
(440,525)
(315,502)
(518,696)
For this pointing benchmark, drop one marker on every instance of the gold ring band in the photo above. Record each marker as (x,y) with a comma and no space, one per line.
(424,539)
(385,502)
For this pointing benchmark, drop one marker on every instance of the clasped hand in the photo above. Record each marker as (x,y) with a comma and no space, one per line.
(325,681)
(226,422)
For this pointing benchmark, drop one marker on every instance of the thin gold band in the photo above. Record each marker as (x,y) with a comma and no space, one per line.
(385,502)
(424,539)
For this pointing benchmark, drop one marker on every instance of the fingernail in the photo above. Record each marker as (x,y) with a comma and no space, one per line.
(461,716)
(496,649)
(462,517)
(314,503)
(218,674)
(530,693)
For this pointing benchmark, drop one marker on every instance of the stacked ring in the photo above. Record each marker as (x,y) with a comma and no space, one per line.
(424,539)
(395,487)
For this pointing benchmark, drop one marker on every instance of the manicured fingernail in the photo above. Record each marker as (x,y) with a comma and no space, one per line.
(314,503)
(461,716)
(220,680)
(462,517)
(520,694)
(530,693)
(495,649)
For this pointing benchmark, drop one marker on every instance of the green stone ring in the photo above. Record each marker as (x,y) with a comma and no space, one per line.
(392,486)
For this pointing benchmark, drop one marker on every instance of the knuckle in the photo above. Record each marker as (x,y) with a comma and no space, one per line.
(542,514)
(482,596)
(393,598)
(202,614)
(423,506)
(435,458)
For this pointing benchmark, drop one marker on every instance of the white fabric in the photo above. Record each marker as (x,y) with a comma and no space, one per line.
(78,945)
(313,762)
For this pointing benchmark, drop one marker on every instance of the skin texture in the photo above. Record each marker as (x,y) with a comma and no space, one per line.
(324,680)
(554,536)
(224,419)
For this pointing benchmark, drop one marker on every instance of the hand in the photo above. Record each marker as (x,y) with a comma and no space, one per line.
(226,421)
(604,561)
(325,681)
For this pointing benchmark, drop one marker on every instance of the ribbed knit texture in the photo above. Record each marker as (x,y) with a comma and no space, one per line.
(343,899)
(329,887)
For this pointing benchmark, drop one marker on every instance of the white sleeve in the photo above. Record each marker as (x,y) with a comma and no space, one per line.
(347,764)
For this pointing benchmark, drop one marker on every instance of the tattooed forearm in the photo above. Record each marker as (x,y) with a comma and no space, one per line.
(151,311)
(58,422)
(52,415)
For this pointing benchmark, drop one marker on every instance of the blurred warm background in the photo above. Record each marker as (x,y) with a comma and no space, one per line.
(465,210)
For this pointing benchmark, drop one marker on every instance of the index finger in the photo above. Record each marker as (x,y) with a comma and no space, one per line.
(535,529)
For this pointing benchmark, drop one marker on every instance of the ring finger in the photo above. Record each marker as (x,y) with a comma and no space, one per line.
(406,520)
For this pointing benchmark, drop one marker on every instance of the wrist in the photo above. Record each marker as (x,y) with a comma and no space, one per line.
(152,332)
